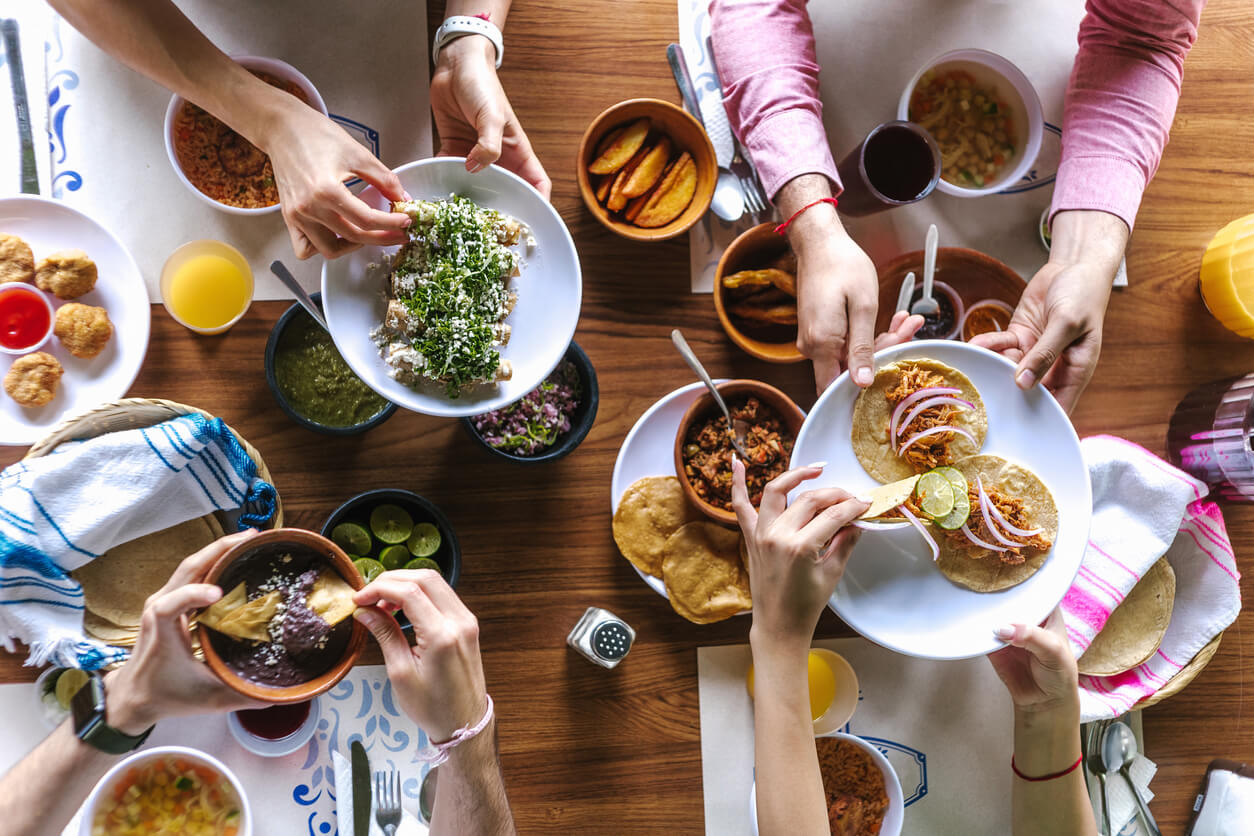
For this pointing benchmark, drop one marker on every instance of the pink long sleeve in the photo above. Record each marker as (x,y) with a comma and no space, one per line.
(764,50)
(1121,100)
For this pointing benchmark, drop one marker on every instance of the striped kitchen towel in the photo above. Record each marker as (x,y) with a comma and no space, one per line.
(62,510)
(1143,508)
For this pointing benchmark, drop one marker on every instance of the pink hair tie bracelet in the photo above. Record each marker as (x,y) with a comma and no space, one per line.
(437,753)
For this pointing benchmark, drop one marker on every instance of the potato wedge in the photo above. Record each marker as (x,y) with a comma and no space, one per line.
(603,188)
(608,140)
(622,149)
(618,198)
(649,170)
(672,195)
(763,278)
(634,206)
(785,314)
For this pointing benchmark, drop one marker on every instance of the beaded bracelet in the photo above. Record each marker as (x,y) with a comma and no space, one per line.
(783,228)
(437,753)
(1050,777)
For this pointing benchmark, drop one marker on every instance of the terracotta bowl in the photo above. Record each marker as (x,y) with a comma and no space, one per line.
(974,275)
(703,407)
(687,135)
(753,249)
(275,540)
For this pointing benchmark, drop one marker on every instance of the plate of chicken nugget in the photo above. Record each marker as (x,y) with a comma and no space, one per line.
(74,316)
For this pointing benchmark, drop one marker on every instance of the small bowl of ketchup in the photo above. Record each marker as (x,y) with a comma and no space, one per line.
(25,318)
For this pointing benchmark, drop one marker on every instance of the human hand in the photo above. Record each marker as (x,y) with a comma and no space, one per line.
(1037,667)
(439,680)
(162,678)
(312,158)
(797,553)
(473,116)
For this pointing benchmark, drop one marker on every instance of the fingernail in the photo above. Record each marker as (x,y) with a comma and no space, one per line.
(819,465)
(1025,379)
(408,222)
(473,166)
(863,498)
(407,195)
(366,616)
(1006,632)
(864,376)
(734,459)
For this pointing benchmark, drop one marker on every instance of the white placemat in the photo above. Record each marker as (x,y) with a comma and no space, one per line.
(869,50)
(292,795)
(946,727)
(34,23)
(368,59)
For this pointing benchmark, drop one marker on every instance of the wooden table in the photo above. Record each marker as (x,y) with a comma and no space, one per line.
(586,750)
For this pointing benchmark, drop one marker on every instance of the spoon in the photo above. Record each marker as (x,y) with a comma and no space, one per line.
(728,202)
(1094,763)
(907,290)
(1118,751)
(690,357)
(289,281)
(927,304)
(426,794)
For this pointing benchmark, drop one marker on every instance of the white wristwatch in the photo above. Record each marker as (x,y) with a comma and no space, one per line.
(459,26)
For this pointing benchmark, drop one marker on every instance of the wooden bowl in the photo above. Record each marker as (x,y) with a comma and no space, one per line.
(753,249)
(687,135)
(270,541)
(974,275)
(790,415)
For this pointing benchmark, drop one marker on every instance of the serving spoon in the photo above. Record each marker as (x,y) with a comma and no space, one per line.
(1119,750)
(279,269)
(738,428)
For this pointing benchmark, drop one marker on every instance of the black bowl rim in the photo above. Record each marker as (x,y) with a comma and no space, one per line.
(272,345)
(429,507)
(565,446)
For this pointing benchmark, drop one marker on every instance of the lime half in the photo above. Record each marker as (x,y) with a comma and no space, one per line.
(425,541)
(391,523)
(369,568)
(962,503)
(352,538)
(394,557)
(935,494)
(423,563)
(68,684)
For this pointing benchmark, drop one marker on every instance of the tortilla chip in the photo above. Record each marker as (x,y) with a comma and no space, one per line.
(117,584)
(886,498)
(651,510)
(705,577)
(331,597)
(234,615)
(981,569)
(1136,627)
(872,414)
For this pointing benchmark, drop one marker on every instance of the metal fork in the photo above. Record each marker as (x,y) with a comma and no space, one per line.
(755,200)
(387,799)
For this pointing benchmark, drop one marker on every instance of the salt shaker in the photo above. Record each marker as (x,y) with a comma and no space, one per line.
(601,637)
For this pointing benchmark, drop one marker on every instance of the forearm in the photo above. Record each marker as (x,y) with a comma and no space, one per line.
(1046,743)
(790,795)
(470,793)
(495,10)
(61,761)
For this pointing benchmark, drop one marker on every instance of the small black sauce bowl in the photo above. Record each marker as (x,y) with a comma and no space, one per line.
(580,422)
(272,346)
(358,509)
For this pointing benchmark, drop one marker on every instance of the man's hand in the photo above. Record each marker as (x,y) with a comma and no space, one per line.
(162,678)
(473,116)
(439,680)
(1055,336)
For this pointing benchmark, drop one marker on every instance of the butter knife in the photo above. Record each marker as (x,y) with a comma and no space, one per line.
(714,117)
(17,78)
(361,789)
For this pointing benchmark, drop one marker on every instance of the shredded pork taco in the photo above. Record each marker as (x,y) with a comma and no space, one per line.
(918,414)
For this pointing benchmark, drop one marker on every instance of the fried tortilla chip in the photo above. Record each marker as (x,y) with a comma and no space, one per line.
(235,616)
(705,577)
(651,510)
(331,597)
(1136,627)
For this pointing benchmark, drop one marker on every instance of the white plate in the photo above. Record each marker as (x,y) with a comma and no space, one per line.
(543,321)
(892,593)
(649,450)
(49,225)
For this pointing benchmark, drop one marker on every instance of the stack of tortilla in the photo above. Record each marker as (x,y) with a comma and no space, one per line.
(116,584)
(1136,627)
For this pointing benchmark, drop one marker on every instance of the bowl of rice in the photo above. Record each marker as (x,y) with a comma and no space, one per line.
(547,423)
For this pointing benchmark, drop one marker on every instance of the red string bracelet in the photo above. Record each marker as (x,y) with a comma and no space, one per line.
(783,228)
(1050,777)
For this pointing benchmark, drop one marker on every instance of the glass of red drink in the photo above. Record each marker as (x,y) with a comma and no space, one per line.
(277,730)
(897,164)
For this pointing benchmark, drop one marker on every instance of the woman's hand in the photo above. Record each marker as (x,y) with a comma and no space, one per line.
(1038,667)
(473,116)
(312,158)
(797,553)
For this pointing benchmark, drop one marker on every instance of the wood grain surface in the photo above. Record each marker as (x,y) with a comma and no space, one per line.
(593,751)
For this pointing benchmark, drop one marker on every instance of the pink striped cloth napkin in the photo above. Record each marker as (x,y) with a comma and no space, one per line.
(1144,508)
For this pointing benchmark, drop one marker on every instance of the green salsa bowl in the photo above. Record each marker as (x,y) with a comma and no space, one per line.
(312,383)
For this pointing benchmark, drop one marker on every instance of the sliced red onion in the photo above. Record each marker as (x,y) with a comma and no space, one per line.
(915,397)
(914,521)
(939,400)
(944,428)
(996,516)
(986,508)
(869,525)
(981,543)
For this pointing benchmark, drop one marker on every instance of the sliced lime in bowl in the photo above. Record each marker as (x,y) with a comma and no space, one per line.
(391,523)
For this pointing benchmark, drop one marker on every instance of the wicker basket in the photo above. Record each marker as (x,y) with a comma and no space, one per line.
(1186,675)
(131,414)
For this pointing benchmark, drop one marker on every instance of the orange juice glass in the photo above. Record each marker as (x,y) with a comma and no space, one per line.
(1227,276)
(206,286)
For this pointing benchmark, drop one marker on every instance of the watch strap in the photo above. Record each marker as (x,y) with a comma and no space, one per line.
(460,26)
(90,725)
(107,739)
